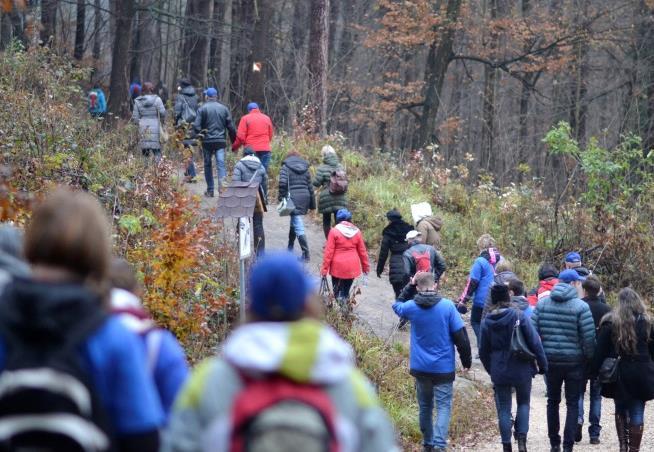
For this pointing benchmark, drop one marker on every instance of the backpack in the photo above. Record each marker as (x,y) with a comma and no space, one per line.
(422,260)
(277,414)
(46,399)
(188,114)
(338,182)
(93,101)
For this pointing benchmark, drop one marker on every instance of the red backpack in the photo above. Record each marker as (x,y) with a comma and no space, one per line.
(338,182)
(278,414)
(422,260)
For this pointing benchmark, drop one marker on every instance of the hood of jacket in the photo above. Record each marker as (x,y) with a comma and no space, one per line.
(188,91)
(427,299)
(147,100)
(397,230)
(520,302)
(435,221)
(347,229)
(492,255)
(304,351)
(128,307)
(500,318)
(251,162)
(563,292)
(46,312)
(331,159)
(297,164)
(504,277)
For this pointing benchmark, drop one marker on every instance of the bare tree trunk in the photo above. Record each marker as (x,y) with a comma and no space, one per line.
(119,86)
(97,26)
(201,23)
(48,20)
(226,52)
(80,27)
(317,61)
(438,60)
(259,57)
(578,104)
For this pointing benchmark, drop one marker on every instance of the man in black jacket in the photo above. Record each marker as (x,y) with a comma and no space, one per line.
(214,121)
(598,309)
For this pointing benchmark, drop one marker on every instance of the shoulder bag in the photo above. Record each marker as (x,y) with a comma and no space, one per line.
(519,347)
(608,371)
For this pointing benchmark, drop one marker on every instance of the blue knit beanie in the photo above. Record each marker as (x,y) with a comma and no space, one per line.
(279,287)
(252,106)
(343,215)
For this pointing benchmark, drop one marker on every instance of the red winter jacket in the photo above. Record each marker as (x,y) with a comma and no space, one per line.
(255,130)
(544,288)
(345,252)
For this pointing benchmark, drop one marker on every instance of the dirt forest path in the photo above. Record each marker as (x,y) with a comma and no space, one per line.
(374,312)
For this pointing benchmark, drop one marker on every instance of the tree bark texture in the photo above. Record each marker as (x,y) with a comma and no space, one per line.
(317,62)
(119,85)
(80,29)
(48,20)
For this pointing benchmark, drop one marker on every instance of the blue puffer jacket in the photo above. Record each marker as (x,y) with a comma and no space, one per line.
(495,347)
(565,325)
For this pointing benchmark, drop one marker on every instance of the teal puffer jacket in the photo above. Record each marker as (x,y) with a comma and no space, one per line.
(565,325)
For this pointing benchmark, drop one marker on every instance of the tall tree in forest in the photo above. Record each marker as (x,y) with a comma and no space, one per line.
(80,29)
(317,61)
(97,28)
(225,51)
(48,20)
(197,32)
(259,58)
(119,85)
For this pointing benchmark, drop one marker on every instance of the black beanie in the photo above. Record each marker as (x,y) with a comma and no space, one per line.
(547,271)
(393,215)
(500,293)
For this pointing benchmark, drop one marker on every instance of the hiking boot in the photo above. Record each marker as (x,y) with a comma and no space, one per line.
(594,440)
(506,447)
(621,429)
(580,433)
(304,245)
(522,443)
(635,436)
(208,194)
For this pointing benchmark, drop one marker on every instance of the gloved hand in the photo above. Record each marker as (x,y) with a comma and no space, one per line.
(461,307)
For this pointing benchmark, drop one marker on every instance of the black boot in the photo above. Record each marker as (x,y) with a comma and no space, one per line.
(635,436)
(291,239)
(522,443)
(506,447)
(621,428)
(302,239)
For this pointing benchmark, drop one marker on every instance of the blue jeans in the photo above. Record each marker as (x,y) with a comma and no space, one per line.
(475,322)
(297,224)
(595,409)
(264,156)
(573,377)
(503,401)
(430,394)
(209,150)
(632,409)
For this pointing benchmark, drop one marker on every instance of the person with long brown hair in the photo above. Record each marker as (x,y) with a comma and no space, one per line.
(149,113)
(626,333)
(70,365)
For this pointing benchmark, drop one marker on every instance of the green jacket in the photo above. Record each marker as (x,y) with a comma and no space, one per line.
(327,202)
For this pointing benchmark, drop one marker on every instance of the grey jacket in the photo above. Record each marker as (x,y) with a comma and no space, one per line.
(436,261)
(148,111)
(250,168)
(216,119)
(186,95)
(566,327)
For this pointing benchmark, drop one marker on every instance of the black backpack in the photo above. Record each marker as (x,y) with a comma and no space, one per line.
(46,400)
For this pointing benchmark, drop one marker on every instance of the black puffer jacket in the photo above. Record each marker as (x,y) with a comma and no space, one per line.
(294,177)
(393,242)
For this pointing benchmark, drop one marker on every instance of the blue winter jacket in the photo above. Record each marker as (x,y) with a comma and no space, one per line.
(566,327)
(495,344)
(436,326)
(482,272)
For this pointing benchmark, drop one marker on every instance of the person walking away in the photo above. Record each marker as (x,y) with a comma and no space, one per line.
(162,91)
(164,356)
(436,327)
(250,169)
(186,110)
(55,334)
(480,281)
(149,113)
(345,256)
(330,201)
(518,299)
(12,259)
(295,181)
(422,258)
(429,227)
(626,333)
(283,382)
(97,102)
(503,273)
(566,328)
(573,261)
(509,372)
(394,243)
(591,289)
(134,92)
(214,122)
(255,130)
(547,279)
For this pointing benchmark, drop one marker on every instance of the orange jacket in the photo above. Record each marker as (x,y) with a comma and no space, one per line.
(255,130)
(345,252)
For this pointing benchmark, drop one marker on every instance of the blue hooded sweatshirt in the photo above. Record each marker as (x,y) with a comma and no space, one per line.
(495,344)
(483,272)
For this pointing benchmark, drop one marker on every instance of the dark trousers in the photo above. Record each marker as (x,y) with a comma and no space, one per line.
(475,321)
(397,288)
(327,222)
(342,288)
(258,234)
(572,376)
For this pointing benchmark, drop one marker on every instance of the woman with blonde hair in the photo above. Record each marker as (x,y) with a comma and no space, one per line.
(626,334)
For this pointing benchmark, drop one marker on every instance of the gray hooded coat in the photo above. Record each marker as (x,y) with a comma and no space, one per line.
(148,111)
